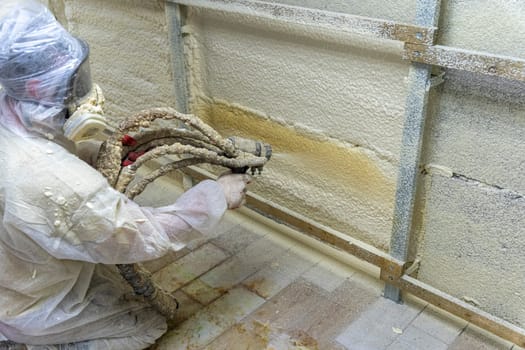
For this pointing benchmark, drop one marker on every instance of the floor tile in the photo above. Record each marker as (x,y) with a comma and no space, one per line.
(189,267)
(474,338)
(201,292)
(210,322)
(242,265)
(357,293)
(413,338)
(435,324)
(277,274)
(328,274)
(259,336)
(293,308)
(235,239)
(157,264)
(376,328)
(187,308)
(343,306)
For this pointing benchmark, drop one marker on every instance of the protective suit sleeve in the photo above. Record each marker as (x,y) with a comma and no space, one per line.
(74,214)
(200,208)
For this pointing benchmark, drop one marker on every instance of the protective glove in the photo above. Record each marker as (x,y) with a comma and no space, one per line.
(234,188)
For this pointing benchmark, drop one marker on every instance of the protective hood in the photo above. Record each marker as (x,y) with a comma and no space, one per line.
(41,64)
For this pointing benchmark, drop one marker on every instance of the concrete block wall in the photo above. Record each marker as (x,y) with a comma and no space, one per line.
(333,105)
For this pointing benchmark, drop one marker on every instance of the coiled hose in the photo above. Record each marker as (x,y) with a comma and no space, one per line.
(194,142)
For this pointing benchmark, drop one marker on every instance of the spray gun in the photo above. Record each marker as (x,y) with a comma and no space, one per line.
(254,147)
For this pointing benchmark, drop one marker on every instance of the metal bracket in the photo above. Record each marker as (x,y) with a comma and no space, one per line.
(414,267)
(391,271)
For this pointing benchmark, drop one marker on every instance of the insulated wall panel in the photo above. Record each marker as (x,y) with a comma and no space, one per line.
(334,106)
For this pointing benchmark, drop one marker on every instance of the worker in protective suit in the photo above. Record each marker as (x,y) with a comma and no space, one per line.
(62,226)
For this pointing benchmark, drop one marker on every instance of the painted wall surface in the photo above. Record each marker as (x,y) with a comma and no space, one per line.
(341,107)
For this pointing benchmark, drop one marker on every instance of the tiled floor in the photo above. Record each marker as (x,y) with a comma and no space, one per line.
(251,287)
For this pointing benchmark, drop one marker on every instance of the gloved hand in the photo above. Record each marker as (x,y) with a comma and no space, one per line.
(234,188)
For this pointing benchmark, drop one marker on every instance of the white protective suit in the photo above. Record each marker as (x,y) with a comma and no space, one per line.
(62,226)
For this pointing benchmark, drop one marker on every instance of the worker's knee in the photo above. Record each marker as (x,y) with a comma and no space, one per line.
(135,331)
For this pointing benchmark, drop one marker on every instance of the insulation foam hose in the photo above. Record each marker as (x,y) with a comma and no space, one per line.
(195,143)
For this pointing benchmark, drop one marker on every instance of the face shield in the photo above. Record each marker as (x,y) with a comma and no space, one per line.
(79,85)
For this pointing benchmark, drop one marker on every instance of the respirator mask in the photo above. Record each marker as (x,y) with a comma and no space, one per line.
(84,102)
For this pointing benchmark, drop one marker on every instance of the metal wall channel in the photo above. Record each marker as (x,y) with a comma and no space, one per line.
(427,14)
(419,49)
(174,20)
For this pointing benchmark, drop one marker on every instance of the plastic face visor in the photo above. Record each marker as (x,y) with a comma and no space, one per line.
(80,83)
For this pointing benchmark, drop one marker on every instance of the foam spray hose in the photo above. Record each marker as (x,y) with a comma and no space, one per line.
(194,143)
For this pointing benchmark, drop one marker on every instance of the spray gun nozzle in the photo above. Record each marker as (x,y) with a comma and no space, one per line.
(257,148)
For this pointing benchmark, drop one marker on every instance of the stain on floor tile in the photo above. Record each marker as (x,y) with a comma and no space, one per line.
(211,321)
(189,267)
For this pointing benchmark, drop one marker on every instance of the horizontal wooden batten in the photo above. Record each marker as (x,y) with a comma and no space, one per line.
(313,229)
(418,40)
(464,310)
(471,61)
(379,28)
